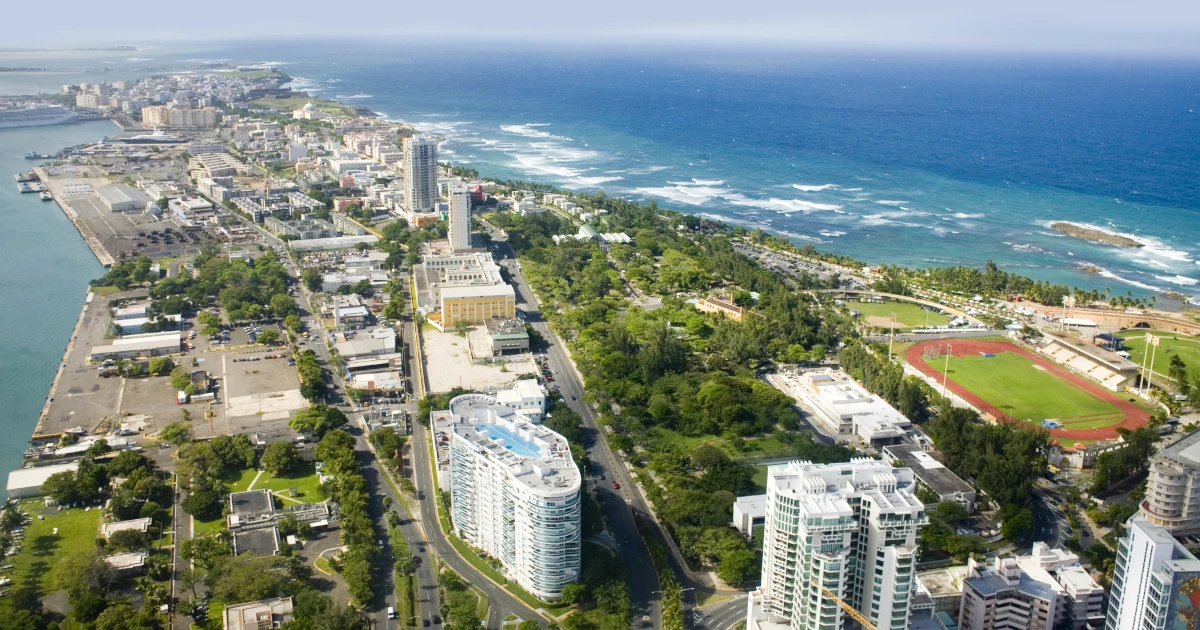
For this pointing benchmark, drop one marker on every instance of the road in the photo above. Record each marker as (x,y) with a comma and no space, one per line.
(427,602)
(618,506)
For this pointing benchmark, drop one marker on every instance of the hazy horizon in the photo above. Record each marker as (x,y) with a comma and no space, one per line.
(1155,28)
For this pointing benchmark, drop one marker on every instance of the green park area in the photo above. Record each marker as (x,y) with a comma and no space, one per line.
(288,104)
(303,480)
(908,316)
(37,563)
(1171,344)
(1024,390)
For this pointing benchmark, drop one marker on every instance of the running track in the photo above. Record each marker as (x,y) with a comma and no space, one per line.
(1134,416)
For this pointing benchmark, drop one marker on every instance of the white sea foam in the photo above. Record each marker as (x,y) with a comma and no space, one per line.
(965,215)
(1104,273)
(354,97)
(528,130)
(831,233)
(700,182)
(647,170)
(818,188)
(1183,281)
(590,182)
(780,205)
(852,189)
(691,195)
(889,202)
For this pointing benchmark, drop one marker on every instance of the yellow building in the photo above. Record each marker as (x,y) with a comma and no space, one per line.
(474,304)
(713,305)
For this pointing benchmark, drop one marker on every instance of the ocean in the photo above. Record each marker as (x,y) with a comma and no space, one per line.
(905,159)
(46,268)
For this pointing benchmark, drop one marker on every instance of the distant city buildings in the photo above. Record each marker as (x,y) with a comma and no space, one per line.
(1155,581)
(515,493)
(180,117)
(420,174)
(850,528)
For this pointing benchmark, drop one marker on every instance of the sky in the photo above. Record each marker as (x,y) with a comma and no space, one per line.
(1135,27)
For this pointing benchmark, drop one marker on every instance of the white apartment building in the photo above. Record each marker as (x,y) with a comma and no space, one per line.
(515,493)
(1173,487)
(1043,591)
(460,218)
(1152,581)
(420,174)
(852,529)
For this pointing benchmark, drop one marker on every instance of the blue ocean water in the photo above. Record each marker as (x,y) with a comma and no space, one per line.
(912,160)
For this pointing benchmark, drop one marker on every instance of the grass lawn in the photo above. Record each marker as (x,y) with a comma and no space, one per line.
(102,291)
(760,479)
(37,562)
(322,564)
(304,480)
(752,447)
(1018,387)
(286,104)
(907,315)
(1188,349)
(238,482)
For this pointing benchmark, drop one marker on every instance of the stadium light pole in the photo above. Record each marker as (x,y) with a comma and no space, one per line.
(892,338)
(1145,357)
(1154,339)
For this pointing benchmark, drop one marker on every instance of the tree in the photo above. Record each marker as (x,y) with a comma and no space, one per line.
(738,567)
(202,504)
(128,540)
(180,378)
(207,551)
(1177,371)
(268,336)
(280,458)
(233,452)
(87,578)
(161,366)
(573,593)
(61,487)
(292,322)
(311,277)
(318,420)
(282,305)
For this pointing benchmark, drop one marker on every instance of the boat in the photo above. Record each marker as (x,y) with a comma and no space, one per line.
(46,196)
(33,155)
(27,176)
(36,116)
(157,137)
(25,187)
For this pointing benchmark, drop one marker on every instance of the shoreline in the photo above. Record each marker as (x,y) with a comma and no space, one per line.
(62,367)
(102,255)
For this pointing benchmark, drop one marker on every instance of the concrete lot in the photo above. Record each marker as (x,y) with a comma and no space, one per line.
(449,365)
(80,397)
(116,232)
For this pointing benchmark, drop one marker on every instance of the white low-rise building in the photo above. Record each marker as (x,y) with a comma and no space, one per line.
(526,397)
(843,407)
(515,493)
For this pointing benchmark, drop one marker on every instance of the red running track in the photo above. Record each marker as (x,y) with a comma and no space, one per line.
(1134,416)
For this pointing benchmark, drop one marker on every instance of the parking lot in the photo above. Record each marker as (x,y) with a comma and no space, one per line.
(449,365)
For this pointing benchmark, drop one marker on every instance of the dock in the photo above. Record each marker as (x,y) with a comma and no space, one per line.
(93,242)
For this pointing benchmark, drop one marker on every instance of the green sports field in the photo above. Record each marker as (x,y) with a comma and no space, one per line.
(907,315)
(1188,349)
(1020,388)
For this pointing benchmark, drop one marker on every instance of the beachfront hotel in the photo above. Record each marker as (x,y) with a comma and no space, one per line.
(420,174)
(851,527)
(514,493)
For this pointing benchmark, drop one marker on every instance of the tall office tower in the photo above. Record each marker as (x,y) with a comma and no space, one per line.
(420,174)
(1155,581)
(460,218)
(514,493)
(851,528)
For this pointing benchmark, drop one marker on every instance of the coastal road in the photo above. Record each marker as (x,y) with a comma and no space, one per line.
(618,506)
